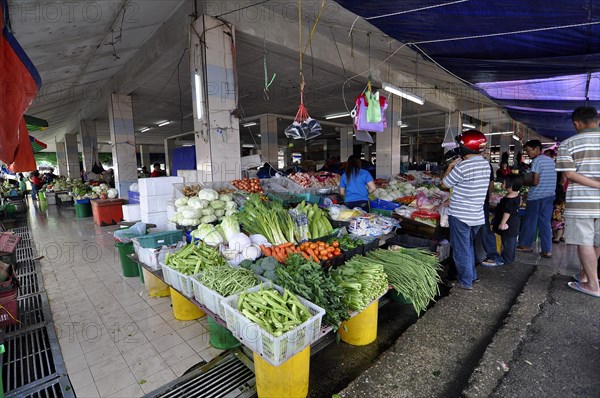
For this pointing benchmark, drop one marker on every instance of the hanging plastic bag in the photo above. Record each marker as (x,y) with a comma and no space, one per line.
(361,110)
(374,107)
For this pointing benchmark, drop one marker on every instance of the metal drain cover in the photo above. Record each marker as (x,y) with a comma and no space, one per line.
(229,375)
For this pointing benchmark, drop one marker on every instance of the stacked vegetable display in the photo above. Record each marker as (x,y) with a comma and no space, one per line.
(251,185)
(268,219)
(362,281)
(194,258)
(205,208)
(313,251)
(227,280)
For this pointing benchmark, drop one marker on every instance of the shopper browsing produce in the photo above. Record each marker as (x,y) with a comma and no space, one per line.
(356,184)
(469,176)
(540,200)
(506,221)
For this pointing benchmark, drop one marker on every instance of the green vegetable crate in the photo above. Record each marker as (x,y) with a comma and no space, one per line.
(178,281)
(212,300)
(274,350)
(158,239)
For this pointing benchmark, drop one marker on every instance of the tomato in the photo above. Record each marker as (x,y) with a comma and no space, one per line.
(330,249)
(330,256)
(337,252)
(323,252)
(336,243)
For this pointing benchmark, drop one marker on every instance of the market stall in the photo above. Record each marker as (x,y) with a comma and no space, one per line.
(278,278)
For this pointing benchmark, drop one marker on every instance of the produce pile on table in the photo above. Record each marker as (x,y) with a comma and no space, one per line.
(207,207)
(362,280)
(316,180)
(251,185)
(274,313)
(194,258)
(313,251)
(226,280)
(268,219)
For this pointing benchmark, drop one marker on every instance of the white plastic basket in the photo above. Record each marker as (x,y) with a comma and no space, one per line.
(274,350)
(178,281)
(212,300)
(152,257)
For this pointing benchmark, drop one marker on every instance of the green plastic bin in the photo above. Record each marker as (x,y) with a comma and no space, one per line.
(83,210)
(130,267)
(141,272)
(220,337)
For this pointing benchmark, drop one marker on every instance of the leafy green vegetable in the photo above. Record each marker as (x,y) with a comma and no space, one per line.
(269,219)
(362,280)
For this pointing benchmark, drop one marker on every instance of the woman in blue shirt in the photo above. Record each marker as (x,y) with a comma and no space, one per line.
(356,184)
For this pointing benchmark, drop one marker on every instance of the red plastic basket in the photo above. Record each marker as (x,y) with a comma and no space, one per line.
(9,242)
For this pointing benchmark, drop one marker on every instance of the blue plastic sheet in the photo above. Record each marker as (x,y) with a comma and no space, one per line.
(184,158)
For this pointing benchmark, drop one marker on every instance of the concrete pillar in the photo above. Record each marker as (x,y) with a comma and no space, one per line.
(72,153)
(89,143)
(169,147)
(366,149)
(388,142)
(411,149)
(453,127)
(287,157)
(61,158)
(505,140)
(122,136)
(268,139)
(145,156)
(346,143)
(218,147)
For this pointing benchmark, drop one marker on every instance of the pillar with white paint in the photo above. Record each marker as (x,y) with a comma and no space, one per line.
(61,159)
(72,154)
(214,96)
(269,148)
(122,137)
(388,142)
(89,143)
(346,143)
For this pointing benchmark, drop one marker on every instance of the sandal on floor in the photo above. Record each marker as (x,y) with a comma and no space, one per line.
(526,249)
(577,286)
(576,278)
(546,255)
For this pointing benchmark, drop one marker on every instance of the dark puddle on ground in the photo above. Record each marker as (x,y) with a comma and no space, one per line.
(336,365)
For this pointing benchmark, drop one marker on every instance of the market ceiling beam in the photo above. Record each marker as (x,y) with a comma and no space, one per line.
(282,31)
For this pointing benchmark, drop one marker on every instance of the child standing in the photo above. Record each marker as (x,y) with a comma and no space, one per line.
(506,221)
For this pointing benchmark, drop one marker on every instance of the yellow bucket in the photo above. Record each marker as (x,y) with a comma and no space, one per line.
(184,309)
(155,287)
(361,329)
(288,380)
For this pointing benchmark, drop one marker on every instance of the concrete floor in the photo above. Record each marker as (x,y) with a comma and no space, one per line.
(115,339)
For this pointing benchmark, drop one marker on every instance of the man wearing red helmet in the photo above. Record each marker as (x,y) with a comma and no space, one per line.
(469,176)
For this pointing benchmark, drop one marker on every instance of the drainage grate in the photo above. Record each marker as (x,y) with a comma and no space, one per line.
(225,376)
(25,267)
(28,283)
(21,231)
(24,253)
(57,388)
(31,312)
(28,359)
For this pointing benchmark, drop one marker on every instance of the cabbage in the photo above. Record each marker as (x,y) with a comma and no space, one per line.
(202,231)
(181,201)
(175,218)
(208,211)
(219,212)
(230,213)
(190,213)
(225,198)
(239,242)
(217,204)
(208,194)
(189,222)
(112,193)
(182,208)
(213,238)
(208,219)
(230,227)
(231,205)
(198,203)
(103,187)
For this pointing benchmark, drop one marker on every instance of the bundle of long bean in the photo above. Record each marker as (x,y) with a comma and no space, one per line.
(227,281)
(362,280)
(412,272)
(194,257)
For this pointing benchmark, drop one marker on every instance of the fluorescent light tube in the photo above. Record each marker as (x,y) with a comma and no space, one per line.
(249,124)
(336,115)
(144,129)
(469,126)
(187,145)
(516,138)
(404,94)
(161,124)
(500,133)
(403,125)
(198,93)
(247,146)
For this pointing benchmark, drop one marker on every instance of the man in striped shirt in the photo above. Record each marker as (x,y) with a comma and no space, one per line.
(540,200)
(579,159)
(469,177)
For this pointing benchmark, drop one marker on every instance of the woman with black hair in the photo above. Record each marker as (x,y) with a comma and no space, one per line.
(356,184)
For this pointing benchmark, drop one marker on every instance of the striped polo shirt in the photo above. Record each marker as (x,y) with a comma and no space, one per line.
(470,180)
(545,167)
(581,153)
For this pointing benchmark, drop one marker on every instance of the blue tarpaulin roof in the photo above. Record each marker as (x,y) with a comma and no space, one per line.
(530,56)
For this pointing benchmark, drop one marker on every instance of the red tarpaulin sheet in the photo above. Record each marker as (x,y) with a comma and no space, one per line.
(19,83)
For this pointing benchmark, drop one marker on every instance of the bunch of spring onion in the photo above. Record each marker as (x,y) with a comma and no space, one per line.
(268,219)
(273,312)
(227,280)
(414,273)
(362,280)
